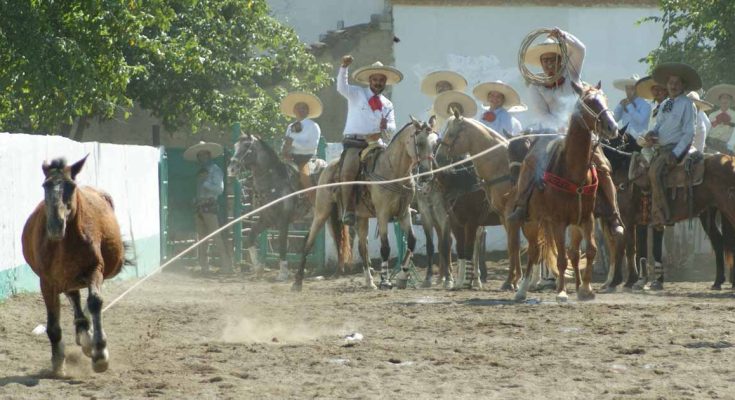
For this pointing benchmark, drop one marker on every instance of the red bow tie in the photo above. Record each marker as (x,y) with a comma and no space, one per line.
(375,103)
(722,118)
(555,84)
(489,116)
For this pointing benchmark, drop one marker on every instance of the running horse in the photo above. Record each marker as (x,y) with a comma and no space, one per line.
(271,179)
(71,241)
(412,145)
(568,196)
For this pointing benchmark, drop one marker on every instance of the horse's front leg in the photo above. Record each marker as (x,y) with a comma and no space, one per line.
(429,236)
(100,354)
(584,292)
(407,228)
(363,227)
(255,230)
(53,328)
(472,271)
(558,230)
(320,217)
(574,246)
(81,323)
(283,249)
(384,270)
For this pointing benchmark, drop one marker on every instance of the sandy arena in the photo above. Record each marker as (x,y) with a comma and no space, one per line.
(182,336)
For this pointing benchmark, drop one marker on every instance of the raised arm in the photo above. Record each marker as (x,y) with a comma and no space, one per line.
(576,52)
(343,86)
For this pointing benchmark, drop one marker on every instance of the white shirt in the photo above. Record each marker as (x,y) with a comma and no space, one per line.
(361,119)
(517,127)
(306,141)
(553,106)
(701,128)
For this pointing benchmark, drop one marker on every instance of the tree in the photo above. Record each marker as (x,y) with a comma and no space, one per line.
(700,33)
(191,63)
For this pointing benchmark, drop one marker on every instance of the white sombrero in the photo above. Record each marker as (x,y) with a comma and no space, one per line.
(622,83)
(689,75)
(363,74)
(214,149)
(714,93)
(533,55)
(428,84)
(293,98)
(512,98)
(442,102)
(519,108)
(701,104)
(643,87)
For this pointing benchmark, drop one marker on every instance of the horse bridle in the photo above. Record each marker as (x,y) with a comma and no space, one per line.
(592,112)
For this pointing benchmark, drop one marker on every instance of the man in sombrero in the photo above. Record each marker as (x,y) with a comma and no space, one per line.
(721,137)
(437,83)
(302,136)
(450,100)
(702,125)
(552,105)
(498,97)
(632,112)
(210,185)
(370,116)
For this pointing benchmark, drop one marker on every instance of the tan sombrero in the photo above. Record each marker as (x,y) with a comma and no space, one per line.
(442,102)
(428,84)
(519,108)
(689,75)
(512,98)
(533,54)
(620,84)
(293,98)
(701,104)
(214,149)
(643,87)
(363,74)
(714,93)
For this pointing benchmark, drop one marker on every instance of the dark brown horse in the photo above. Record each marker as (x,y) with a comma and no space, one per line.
(72,241)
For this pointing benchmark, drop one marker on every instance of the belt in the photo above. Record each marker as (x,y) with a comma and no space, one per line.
(361,136)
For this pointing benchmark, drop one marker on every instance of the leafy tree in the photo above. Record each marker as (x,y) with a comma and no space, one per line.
(700,33)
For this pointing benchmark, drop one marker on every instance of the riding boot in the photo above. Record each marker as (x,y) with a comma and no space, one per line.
(608,189)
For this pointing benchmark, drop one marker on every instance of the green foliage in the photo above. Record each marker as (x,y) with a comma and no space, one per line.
(190,63)
(700,33)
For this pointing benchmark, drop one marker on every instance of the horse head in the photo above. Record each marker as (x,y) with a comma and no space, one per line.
(593,111)
(424,140)
(59,188)
(453,143)
(244,155)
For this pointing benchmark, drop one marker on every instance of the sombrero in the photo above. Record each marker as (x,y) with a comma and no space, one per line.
(442,102)
(714,93)
(214,149)
(643,87)
(701,104)
(363,74)
(533,54)
(622,83)
(428,85)
(293,98)
(512,98)
(519,108)
(689,75)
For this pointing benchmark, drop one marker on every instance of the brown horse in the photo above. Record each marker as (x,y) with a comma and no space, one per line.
(71,241)
(568,198)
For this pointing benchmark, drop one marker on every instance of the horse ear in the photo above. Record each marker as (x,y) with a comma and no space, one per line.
(77,166)
(577,88)
(432,122)
(45,166)
(599,85)
(414,121)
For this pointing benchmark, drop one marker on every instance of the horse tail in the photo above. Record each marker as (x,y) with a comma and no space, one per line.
(547,248)
(129,254)
(341,234)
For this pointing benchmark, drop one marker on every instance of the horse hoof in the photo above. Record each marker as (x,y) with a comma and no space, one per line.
(476,285)
(100,365)
(585,296)
(655,286)
(716,287)
(402,283)
(84,340)
(386,285)
(296,287)
(506,287)
(609,289)
(372,286)
(562,297)
(426,284)
(449,285)
(519,297)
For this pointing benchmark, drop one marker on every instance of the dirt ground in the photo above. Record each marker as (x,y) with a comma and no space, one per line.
(184,336)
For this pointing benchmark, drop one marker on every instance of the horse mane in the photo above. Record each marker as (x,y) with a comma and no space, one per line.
(479,125)
(393,139)
(57,163)
(278,165)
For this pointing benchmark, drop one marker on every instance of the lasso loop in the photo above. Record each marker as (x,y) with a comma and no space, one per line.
(541,79)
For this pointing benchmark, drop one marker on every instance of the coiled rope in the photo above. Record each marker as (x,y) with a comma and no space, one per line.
(541,79)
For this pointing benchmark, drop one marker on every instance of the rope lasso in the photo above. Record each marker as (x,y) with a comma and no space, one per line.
(541,79)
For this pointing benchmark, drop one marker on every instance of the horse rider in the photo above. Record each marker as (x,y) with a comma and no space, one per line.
(647,88)
(674,131)
(439,82)
(702,124)
(632,111)
(497,98)
(210,186)
(370,116)
(553,104)
(721,137)
(450,100)
(302,136)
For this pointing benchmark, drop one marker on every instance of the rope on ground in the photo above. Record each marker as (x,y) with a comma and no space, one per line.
(296,193)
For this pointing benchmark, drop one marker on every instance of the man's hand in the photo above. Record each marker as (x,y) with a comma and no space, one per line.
(671,160)
(556,33)
(346,61)
(624,103)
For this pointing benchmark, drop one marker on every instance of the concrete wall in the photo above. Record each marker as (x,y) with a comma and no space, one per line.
(128,173)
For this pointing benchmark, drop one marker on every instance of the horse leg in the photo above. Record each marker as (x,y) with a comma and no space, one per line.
(81,323)
(630,256)
(472,258)
(641,256)
(252,248)
(460,238)
(428,234)
(407,229)
(533,257)
(708,220)
(100,354)
(445,255)
(584,292)
(575,238)
(561,261)
(363,225)
(512,230)
(53,328)
(320,217)
(384,253)
(479,252)
(283,250)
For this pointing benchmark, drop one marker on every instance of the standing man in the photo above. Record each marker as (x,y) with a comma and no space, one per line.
(632,111)
(553,105)
(302,136)
(370,115)
(498,97)
(723,120)
(210,185)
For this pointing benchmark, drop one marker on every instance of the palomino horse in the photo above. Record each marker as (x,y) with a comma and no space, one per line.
(568,199)
(71,241)
(272,179)
(410,146)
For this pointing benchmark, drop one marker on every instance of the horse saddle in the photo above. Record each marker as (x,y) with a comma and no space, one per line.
(689,172)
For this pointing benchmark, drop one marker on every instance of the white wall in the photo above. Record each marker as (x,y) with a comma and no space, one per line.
(310,18)
(482,44)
